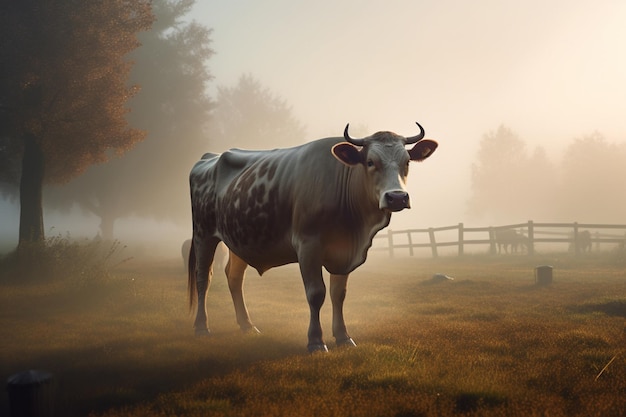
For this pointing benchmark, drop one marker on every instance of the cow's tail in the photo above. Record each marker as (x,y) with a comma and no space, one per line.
(191,280)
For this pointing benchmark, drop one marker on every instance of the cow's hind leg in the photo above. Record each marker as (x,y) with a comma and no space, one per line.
(235,272)
(204,251)
(338,286)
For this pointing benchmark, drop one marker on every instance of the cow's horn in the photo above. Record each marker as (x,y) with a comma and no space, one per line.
(346,136)
(414,139)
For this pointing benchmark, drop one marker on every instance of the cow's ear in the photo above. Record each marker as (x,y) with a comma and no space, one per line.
(422,150)
(347,153)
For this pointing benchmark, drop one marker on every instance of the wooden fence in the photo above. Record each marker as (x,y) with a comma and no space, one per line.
(533,233)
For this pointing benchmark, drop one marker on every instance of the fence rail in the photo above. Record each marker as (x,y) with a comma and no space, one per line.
(530,233)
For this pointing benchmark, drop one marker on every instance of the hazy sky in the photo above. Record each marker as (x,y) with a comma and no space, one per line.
(549,70)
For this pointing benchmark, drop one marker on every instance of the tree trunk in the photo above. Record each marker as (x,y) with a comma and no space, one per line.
(107,223)
(31,186)
(105,213)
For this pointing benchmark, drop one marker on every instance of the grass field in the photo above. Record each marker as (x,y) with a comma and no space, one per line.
(489,343)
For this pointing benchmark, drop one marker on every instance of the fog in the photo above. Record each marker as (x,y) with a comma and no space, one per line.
(550,71)
(141,237)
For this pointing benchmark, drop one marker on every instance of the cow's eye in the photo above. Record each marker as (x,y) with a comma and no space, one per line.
(370,163)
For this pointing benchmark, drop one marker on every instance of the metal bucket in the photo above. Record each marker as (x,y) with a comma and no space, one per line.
(543,275)
(31,394)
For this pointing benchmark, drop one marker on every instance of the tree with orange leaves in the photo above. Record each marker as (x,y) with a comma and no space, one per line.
(63,93)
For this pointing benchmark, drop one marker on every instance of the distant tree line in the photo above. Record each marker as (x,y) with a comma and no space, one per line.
(510,183)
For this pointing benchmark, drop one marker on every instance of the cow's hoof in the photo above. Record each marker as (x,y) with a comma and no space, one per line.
(317,347)
(250,330)
(203,332)
(348,342)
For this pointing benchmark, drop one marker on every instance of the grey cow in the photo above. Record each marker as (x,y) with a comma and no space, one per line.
(512,238)
(220,258)
(319,204)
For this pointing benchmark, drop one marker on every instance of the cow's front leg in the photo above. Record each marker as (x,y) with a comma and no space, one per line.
(315,294)
(311,269)
(338,285)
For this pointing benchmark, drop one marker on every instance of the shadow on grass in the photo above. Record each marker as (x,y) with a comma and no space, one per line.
(615,308)
(96,379)
(471,401)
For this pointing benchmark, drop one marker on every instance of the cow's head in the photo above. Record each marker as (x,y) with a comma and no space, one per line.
(386,163)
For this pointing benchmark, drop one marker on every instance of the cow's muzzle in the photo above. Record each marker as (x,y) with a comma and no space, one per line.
(396,200)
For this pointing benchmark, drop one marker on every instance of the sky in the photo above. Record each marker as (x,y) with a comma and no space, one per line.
(558,65)
(549,70)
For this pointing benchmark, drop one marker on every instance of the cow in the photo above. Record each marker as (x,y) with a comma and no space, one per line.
(318,204)
(506,237)
(583,240)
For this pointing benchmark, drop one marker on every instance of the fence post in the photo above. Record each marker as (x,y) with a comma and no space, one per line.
(390,242)
(531,238)
(408,234)
(460,239)
(433,243)
(575,242)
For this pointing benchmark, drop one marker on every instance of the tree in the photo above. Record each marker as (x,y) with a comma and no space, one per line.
(541,183)
(251,116)
(496,172)
(507,183)
(151,180)
(63,93)
(592,173)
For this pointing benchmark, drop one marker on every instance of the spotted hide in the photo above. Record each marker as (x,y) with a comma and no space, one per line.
(319,204)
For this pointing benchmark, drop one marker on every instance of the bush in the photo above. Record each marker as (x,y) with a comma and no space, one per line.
(59,257)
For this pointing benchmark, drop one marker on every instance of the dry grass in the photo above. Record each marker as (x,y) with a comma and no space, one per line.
(489,343)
